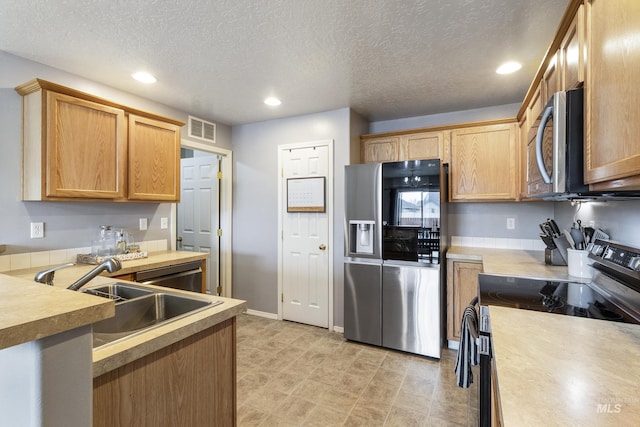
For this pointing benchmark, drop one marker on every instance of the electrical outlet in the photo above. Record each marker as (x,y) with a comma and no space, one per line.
(37,230)
(143,224)
(511,223)
(164,222)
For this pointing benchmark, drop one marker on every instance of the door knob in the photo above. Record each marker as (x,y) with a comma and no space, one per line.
(179,238)
(322,247)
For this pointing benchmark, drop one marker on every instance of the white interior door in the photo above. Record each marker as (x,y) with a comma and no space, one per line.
(198,212)
(305,237)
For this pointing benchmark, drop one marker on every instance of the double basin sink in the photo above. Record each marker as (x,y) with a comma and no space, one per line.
(139,309)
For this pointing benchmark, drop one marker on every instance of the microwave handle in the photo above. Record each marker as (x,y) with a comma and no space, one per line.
(546,115)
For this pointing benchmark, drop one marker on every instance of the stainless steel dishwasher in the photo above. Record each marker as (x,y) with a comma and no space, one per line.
(186,276)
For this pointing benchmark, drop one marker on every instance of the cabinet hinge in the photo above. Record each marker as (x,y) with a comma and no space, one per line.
(219,232)
(219,174)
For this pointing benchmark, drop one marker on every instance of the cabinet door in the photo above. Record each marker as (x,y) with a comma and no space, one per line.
(484,163)
(551,79)
(425,145)
(612,151)
(383,149)
(523,130)
(154,160)
(462,287)
(571,52)
(85,149)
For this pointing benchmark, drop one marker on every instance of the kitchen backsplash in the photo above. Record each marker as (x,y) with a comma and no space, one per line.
(62,256)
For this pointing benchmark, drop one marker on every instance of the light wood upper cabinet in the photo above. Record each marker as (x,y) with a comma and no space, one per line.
(79,150)
(551,80)
(405,146)
(462,287)
(423,145)
(80,147)
(484,163)
(380,149)
(572,52)
(523,130)
(612,94)
(154,159)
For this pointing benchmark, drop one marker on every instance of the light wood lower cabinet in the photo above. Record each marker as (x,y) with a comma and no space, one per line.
(462,287)
(484,163)
(190,383)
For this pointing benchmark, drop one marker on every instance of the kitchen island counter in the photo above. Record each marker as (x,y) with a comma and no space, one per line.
(119,353)
(565,370)
(32,311)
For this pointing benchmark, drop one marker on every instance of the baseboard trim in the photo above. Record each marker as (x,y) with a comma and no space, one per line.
(272,316)
(338,329)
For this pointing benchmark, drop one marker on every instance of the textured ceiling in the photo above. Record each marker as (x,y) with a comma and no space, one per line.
(218,60)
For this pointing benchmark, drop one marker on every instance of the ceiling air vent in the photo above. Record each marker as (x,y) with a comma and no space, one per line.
(200,129)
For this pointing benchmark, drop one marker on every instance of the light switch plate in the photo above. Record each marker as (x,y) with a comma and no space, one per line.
(143,224)
(164,222)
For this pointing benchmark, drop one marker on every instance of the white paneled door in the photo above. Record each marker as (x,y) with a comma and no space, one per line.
(305,252)
(198,212)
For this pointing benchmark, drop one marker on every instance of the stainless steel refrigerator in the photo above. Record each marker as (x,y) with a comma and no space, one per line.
(393,292)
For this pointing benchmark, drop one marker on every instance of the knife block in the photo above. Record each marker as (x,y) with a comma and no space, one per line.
(553,257)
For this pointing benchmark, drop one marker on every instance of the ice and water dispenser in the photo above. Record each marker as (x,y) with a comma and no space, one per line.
(361,237)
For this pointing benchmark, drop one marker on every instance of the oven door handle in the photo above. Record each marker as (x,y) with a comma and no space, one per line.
(546,116)
(171,277)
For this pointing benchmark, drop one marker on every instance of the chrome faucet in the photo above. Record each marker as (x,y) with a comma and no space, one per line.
(110,264)
(46,276)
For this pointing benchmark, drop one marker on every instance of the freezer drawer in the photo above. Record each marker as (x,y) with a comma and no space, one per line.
(362,302)
(411,310)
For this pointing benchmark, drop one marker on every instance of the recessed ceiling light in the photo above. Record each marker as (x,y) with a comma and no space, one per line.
(144,77)
(509,67)
(274,102)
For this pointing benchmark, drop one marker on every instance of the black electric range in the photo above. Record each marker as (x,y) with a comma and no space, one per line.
(558,297)
(612,295)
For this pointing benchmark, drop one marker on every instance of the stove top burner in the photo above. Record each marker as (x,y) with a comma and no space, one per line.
(565,298)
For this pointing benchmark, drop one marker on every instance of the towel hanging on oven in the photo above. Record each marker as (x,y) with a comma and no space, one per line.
(468,350)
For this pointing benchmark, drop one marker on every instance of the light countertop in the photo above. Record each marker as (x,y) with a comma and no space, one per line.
(66,276)
(559,370)
(511,262)
(565,370)
(31,310)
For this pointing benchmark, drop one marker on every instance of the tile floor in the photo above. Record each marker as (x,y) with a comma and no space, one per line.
(297,375)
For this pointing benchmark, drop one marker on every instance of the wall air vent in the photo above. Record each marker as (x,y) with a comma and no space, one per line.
(202,130)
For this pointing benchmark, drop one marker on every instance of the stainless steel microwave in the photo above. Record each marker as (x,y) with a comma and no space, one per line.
(555,149)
